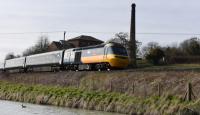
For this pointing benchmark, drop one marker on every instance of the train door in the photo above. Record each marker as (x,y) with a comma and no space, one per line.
(77,57)
(67,57)
(105,53)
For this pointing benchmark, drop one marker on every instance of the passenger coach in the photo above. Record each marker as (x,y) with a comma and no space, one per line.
(100,57)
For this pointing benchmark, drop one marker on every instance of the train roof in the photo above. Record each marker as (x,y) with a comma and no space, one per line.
(46,53)
(15,58)
(97,46)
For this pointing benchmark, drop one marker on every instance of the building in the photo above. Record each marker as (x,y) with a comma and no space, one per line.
(83,41)
(59,45)
(80,41)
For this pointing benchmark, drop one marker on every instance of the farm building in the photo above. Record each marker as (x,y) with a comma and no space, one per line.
(83,41)
(58,45)
(80,41)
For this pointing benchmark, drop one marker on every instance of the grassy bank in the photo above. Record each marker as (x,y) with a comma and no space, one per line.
(128,91)
(140,84)
(92,100)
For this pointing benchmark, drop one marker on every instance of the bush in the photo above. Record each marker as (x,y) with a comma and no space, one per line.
(155,55)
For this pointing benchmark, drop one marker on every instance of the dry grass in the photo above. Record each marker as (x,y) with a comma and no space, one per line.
(140,83)
(92,100)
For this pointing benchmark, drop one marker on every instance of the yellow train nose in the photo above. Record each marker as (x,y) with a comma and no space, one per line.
(118,61)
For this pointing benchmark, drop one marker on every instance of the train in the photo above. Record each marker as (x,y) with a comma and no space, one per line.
(105,56)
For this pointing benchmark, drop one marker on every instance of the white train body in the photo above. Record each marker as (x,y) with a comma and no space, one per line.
(15,63)
(51,58)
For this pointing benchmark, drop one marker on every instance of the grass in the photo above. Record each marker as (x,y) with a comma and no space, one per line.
(137,83)
(142,64)
(93,100)
(108,91)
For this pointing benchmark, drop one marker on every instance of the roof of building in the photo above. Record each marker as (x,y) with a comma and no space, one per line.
(59,44)
(84,37)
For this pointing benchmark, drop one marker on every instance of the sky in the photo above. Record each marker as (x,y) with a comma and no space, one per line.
(23,21)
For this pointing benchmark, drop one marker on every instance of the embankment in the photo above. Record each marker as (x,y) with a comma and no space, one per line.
(92,100)
(117,91)
(140,84)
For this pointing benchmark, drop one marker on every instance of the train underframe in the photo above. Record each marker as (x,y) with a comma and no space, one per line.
(57,68)
(93,67)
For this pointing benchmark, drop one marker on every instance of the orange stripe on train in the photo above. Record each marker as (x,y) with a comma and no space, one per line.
(111,59)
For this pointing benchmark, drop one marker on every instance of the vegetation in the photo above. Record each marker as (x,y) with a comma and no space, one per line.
(11,56)
(93,100)
(129,91)
(154,53)
(139,82)
(123,39)
(186,52)
(40,47)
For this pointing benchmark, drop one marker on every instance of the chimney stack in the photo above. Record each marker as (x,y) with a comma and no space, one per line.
(132,44)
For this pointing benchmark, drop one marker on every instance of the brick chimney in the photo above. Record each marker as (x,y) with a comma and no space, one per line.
(132,43)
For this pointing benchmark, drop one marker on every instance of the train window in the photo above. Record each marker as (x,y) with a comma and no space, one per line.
(117,51)
(92,52)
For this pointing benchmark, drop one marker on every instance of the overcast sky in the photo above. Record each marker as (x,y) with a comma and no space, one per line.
(105,17)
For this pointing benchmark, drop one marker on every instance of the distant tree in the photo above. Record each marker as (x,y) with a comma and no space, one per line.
(11,56)
(172,52)
(41,46)
(191,46)
(155,55)
(146,49)
(123,39)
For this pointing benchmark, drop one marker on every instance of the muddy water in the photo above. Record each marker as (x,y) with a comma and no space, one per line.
(15,108)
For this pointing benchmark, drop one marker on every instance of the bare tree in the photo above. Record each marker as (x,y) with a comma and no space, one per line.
(11,55)
(123,39)
(191,46)
(41,46)
(146,49)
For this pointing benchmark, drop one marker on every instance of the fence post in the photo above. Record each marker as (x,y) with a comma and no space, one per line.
(111,87)
(133,87)
(145,90)
(189,92)
(159,89)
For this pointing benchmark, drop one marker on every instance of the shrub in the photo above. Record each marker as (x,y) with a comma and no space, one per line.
(155,55)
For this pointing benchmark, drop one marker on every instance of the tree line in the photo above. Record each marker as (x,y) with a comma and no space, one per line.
(187,51)
(41,46)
